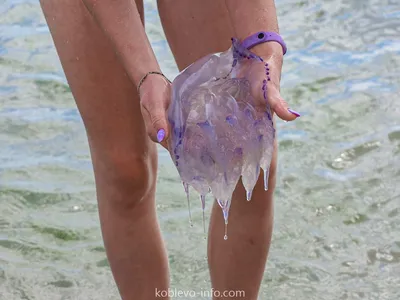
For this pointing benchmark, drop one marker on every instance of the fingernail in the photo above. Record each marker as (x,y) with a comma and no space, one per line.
(160,135)
(294,112)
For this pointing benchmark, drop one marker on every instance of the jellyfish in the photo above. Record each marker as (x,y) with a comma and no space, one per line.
(221,132)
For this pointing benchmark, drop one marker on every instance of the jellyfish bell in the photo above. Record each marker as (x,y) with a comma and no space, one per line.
(221,125)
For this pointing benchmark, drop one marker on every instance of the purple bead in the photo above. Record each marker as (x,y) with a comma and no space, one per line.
(239,151)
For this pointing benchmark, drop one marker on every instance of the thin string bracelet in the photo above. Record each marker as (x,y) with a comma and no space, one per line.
(150,73)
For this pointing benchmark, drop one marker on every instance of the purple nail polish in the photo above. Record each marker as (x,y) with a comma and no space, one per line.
(294,112)
(160,135)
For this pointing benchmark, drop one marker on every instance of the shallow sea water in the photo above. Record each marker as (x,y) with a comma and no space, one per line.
(337,211)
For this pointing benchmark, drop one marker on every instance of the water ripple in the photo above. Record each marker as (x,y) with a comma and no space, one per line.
(337,198)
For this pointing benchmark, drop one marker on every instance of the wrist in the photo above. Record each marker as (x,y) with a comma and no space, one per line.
(268,50)
(151,80)
(140,68)
(265,44)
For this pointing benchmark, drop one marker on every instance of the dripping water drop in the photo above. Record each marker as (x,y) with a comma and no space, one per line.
(203,205)
(226,231)
(266,175)
(248,195)
(226,226)
(186,187)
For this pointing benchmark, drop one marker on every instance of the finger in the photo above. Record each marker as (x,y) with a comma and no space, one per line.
(160,128)
(155,116)
(164,143)
(280,106)
(156,123)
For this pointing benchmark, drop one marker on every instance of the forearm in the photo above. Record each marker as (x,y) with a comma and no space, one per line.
(120,21)
(250,16)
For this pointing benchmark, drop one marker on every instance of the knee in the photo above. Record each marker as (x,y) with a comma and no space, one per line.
(125,179)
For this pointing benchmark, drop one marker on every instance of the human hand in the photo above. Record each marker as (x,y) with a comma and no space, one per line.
(155,96)
(272,55)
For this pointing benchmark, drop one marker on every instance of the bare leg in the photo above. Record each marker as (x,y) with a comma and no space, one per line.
(124,158)
(195,28)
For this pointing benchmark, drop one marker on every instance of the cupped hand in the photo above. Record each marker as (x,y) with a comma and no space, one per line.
(155,96)
(266,77)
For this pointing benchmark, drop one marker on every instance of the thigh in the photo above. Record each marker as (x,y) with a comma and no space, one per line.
(195,28)
(106,98)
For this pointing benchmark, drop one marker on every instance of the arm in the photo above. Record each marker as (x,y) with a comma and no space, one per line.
(121,23)
(248,17)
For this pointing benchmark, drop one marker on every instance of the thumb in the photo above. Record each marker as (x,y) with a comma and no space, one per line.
(154,104)
(160,127)
(280,106)
(156,124)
